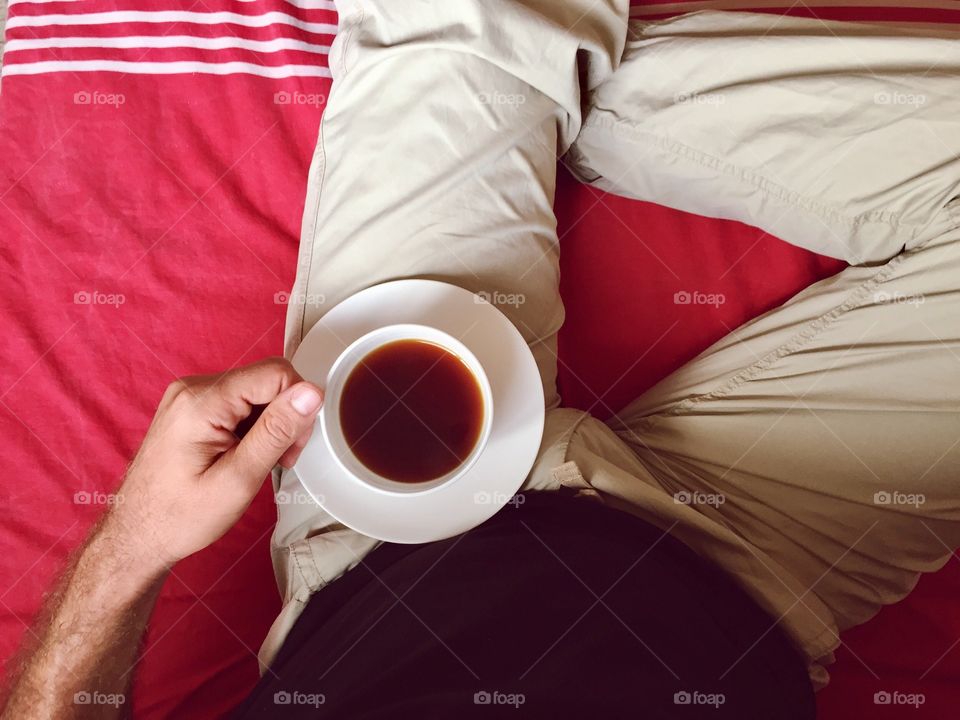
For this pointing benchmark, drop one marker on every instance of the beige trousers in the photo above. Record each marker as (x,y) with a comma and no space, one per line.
(814,453)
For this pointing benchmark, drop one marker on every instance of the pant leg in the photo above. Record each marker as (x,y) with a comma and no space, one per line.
(824,435)
(838,137)
(437,159)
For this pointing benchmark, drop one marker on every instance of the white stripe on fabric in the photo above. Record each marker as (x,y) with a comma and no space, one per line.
(167,41)
(36,2)
(311,4)
(165,68)
(171,16)
(303,4)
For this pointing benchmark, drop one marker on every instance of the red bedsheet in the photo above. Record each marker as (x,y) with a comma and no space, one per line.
(148,229)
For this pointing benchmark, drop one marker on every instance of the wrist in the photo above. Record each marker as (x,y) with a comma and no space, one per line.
(122,550)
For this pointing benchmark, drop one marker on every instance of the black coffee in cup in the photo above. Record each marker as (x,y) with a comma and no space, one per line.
(411,411)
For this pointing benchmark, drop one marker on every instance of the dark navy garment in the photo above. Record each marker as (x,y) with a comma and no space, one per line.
(557,607)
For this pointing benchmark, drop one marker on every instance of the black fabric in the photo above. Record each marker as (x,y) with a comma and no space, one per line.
(556,607)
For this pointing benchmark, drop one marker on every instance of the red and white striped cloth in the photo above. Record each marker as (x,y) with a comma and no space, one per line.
(285,38)
(271,39)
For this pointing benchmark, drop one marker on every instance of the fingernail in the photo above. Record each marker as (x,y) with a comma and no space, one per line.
(306,400)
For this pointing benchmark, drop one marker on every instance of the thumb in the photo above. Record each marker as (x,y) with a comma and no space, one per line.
(288,417)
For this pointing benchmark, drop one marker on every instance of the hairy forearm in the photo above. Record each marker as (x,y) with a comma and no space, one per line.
(78,660)
(189,483)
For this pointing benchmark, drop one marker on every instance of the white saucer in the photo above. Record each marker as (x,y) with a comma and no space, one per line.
(517,419)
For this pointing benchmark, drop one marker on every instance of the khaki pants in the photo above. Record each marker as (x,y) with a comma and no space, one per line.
(813,453)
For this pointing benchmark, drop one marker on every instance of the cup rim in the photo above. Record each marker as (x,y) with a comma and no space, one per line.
(344,365)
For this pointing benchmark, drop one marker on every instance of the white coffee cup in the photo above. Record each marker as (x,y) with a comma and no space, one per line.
(337,378)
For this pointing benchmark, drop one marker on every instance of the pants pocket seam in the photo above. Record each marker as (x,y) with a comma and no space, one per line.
(311,584)
(767,187)
(799,340)
(307,244)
